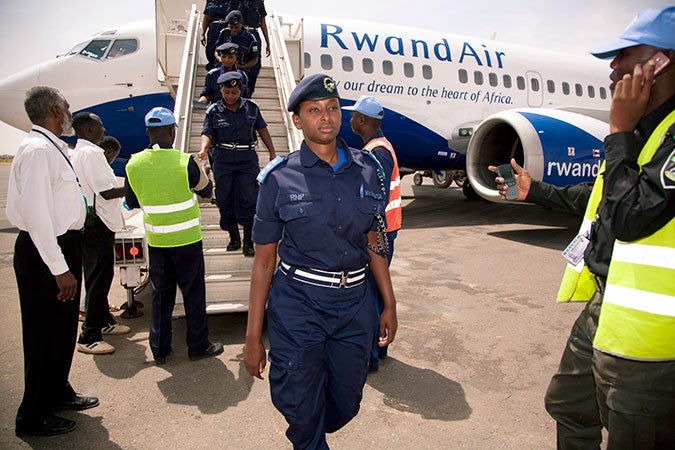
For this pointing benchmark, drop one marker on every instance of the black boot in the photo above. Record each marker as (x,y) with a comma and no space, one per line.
(248,242)
(235,239)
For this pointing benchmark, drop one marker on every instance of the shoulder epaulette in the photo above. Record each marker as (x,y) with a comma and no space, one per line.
(213,105)
(372,156)
(214,70)
(270,166)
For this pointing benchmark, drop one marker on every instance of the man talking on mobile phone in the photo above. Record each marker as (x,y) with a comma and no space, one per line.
(618,368)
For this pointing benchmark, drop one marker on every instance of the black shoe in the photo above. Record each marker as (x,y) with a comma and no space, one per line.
(162,360)
(79,403)
(214,349)
(235,244)
(249,250)
(49,427)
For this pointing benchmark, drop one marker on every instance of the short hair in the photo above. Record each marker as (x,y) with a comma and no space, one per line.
(82,121)
(109,143)
(39,102)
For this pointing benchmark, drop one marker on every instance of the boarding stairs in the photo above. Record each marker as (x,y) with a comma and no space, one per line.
(228,274)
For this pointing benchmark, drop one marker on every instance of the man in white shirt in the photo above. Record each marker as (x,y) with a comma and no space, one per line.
(45,202)
(105,218)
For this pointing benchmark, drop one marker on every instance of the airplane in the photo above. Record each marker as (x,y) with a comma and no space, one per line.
(452,103)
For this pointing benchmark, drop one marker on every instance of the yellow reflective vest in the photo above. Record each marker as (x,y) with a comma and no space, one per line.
(637,319)
(159,178)
(578,283)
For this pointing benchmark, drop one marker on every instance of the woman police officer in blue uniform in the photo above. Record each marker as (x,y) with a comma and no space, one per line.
(322,209)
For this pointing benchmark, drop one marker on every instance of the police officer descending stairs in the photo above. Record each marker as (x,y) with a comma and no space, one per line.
(228,274)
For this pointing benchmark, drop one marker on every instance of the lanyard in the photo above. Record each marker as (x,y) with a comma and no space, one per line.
(86,204)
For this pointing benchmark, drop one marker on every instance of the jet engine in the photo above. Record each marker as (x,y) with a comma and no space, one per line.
(555,146)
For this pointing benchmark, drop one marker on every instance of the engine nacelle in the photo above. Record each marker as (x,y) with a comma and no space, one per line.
(555,146)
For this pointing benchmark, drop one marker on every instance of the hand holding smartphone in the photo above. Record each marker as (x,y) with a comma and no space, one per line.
(506,172)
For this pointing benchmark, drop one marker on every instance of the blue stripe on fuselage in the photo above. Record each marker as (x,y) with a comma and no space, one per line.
(124,119)
(417,147)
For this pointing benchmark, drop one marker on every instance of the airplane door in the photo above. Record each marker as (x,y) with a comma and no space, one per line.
(535,89)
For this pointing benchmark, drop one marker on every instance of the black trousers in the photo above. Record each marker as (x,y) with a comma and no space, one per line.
(183,266)
(49,326)
(211,38)
(98,261)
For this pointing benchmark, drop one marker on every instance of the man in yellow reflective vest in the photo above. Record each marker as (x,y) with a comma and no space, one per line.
(366,122)
(618,368)
(162,181)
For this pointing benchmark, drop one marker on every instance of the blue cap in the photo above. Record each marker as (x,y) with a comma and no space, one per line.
(159,117)
(313,87)
(233,17)
(228,48)
(654,27)
(230,79)
(367,106)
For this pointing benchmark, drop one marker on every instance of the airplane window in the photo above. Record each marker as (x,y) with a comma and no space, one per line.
(326,62)
(566,88)
(534,84)
(368,65)
(308,60)
(507,81)
(427,73)
(75,50)
(550,85)
(520,82)
(591,91)
(387,67)
(347,63)
(122,47)
(463,76)
(492,78)
(95,49)
(579,89)
(478,77)
(603,93)
(409,70)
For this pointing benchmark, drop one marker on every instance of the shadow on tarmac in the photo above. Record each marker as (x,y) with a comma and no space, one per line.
(419,391)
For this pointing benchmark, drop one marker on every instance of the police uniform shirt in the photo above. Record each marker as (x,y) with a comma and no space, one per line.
(320,216)
(96,175)
(251,10)
(211,87)
(44,197)
(226,126)
(216,10)
(249,48)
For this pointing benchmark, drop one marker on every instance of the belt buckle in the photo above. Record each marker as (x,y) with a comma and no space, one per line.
(343,279)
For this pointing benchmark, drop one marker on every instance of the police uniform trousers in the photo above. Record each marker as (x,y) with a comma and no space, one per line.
(636,401)
(98,261)
(320,341)
(235,172)
(49,326)
(571,397)
(183,266)
(253,72)
(378,352)
(211,38)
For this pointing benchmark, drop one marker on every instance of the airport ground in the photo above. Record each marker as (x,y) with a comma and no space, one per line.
(479,337)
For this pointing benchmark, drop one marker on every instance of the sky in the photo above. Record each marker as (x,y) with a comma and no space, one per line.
(31,35)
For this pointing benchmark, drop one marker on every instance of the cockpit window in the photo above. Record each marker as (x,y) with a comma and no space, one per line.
(121,47)
(95,49)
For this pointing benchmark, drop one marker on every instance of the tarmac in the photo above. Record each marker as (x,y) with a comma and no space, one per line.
(479,336)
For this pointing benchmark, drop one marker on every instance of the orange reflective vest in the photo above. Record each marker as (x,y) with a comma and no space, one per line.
(393,211)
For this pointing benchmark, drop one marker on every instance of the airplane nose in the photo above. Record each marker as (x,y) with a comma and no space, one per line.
(12,94)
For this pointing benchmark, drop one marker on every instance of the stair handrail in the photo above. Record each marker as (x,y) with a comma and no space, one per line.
(285,80)
(186,82)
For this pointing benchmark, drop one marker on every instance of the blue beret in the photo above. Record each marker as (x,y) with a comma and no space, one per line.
(228,48)
(230,79)
(313,87)
(233,17)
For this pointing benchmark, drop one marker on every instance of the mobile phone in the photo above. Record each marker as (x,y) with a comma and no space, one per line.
(506,172)
(661,61)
